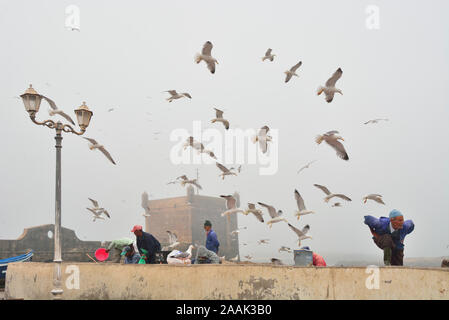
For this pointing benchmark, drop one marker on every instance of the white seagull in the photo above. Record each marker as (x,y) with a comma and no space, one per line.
(225,171)
(263,241)
(174,95)
(219,118)
(55,111)
(301,233)
(375,197)
(329,88)
(375,121)
(198,146)
(145,205)
(330,195)
(268,55)
(263,138)
(291,72)
(331,139)
(184,255)
(185,180)
(231,206)
(95,145)
(286,249)
(275,215)
(172,240)
(206,56)
(256,212)
(306,166)
(301,206)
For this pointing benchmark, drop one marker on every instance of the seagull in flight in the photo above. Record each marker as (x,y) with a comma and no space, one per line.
(95,145)
(219,118)
(55,111)
(256,212)
(275,215)
(329,88)
(331,139)
(185,180)
(286,249)
(301,206)
(206,56)
(145,204)
(231,206)
(292,71)
(198,146)
(268,55)
(330,195)
(375,197)
(263,138)
(174,95)
(375,121)
(225,171)
(173,241)
(306,166)
(301,233)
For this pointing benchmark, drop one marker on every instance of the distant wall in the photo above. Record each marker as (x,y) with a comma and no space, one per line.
(37,239)
(235,281)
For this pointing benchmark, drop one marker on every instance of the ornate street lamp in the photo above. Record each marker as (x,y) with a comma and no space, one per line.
(32,100)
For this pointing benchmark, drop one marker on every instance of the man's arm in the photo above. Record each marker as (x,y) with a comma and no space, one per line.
(372,222)
(409,226)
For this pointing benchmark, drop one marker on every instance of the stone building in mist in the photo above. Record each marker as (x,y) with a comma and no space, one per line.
(185,216)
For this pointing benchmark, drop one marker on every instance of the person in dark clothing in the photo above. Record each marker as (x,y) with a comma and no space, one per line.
(212,243)
(147,242)
(389,234)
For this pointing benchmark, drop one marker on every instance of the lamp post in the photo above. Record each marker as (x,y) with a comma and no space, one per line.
(32,100)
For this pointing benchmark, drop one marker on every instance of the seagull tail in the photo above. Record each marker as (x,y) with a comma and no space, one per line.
(198,58)
(319,139)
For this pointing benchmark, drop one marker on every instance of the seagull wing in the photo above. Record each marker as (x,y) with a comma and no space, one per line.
(268,53)
(323,188)
(207,48)
(332,80)
(230,202)
(288,77)
(93,141)
(107,154)
(172,92)
(187,95)
(94,202)
(296,66)
(338,146)
(299,201)
(222,167)
(106,213)
(144,202)
(184,177)
(342,196)
(50,102)
(271,210)
(196,184)
(259,216)
(218,113)
(66,116)
(211,66)
(251,206)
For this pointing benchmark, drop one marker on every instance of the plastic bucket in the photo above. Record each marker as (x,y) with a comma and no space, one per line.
(101,254)
(303,257)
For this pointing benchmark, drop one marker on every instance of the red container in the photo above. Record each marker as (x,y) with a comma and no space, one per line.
(101,254)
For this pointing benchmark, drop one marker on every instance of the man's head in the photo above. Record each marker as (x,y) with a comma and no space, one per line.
(128,251)
(396,219)
(207,225)
(137,230)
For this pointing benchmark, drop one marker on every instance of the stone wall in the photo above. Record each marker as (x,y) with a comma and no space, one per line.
(31,280)
(37,239)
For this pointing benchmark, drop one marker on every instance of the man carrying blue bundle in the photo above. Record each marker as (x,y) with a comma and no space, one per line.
(389,234)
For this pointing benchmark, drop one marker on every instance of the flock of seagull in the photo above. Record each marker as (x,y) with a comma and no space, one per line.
(332,138)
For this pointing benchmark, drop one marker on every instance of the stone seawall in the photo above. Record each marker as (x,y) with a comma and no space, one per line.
(237,281)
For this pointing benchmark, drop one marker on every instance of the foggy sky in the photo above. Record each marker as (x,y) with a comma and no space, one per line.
(127,53)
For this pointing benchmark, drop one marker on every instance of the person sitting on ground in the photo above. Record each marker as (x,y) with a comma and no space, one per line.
(206,256)
(318,261)
(118,246)
(389,234)
(131,256)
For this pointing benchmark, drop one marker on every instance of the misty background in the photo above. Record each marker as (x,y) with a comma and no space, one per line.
(127,53)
